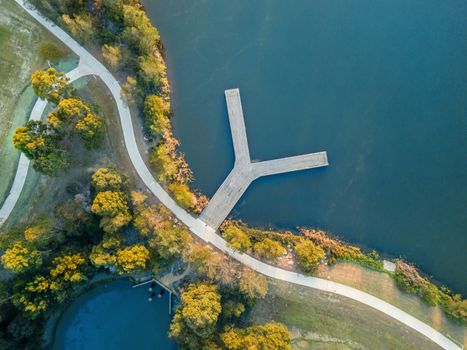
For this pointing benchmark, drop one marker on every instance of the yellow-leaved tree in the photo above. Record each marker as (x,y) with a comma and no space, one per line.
(18,258)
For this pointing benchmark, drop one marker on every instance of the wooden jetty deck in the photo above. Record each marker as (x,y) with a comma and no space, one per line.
(245,171)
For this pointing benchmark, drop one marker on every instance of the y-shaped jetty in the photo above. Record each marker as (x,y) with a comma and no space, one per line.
(245,171)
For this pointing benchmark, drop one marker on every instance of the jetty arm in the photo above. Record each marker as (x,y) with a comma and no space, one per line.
(288,164)
(237,126)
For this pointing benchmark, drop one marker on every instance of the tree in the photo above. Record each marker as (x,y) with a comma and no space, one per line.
(132,259)
(67,268)
(170,241)
(108,179)
(162,163)
(232,309)
(156,113)
(269,249)
(308,255)
(130,91)
(91,130)
(270,336)
(20,259)
(182,194)
(252,284)
(112,56)
(101,258)
(430,294)
(36,296)
(81,27)
(139,33)
(196,319)
(149,219)
(51,85)
(34,232)
(456,307)
(50,52)
(72,115)
(199,257)
(113,207)
(39,143)
(150,71)
(237,238)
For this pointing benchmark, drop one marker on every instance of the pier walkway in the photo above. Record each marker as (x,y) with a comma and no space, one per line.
(245,171)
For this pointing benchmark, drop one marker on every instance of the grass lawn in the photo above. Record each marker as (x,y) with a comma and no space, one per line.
(19,37)
(383,286)
(318,320)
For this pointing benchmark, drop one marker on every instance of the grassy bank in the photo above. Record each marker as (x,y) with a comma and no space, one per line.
(319,320)
(20,37)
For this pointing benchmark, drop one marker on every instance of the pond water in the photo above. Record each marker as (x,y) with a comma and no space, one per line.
(381,85)
(115,316)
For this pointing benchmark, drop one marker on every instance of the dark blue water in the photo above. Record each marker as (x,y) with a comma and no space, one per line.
(115,317)
(381,85)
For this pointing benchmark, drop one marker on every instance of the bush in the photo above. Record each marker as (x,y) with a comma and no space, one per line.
(308,255)
(50,52)
(269,249)
(182,195)
(237,238)
(430,294)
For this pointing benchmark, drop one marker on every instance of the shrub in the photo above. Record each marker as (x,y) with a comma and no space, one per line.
(237,238)
(51,52)
(308,255)
(269,249)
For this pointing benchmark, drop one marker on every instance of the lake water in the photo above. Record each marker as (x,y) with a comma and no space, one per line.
(381,85)
(117,317)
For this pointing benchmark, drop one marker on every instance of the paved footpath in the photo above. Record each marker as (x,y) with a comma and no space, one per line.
(91,66)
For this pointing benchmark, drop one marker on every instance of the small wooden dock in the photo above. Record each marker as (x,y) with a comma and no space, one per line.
(245,171)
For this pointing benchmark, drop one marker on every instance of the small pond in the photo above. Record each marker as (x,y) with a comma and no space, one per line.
(118,317)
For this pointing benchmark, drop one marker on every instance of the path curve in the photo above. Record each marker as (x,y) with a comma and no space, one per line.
(91,66)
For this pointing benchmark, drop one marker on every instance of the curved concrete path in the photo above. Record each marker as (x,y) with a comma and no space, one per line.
(91,66)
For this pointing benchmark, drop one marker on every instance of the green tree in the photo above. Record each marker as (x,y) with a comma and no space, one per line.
(195,321)
(162,164)
(430,294)
(51,85)
(156,113)
(150,70)
(170,241)
(182,195)
(269,249)
(130,91)
(81,27)
(139,33)
(456,307)
(112,56)
(232,309)
(50,52)
(308,255)
(252,284)
(237,238)
(39,143)
(270,336)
